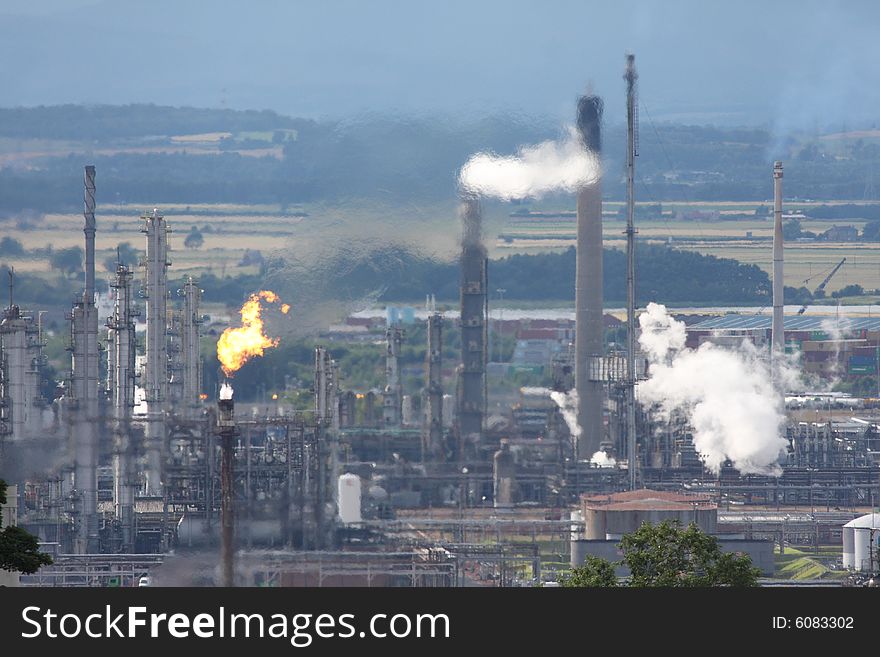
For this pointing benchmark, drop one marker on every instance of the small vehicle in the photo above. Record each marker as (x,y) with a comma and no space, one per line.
(146,580)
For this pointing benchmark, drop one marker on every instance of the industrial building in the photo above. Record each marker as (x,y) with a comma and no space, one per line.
(608,517)
(827,346)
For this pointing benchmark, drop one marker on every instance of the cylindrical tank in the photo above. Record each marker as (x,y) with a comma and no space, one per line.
(849,549)
(576,517)
(862,546)
(349,498)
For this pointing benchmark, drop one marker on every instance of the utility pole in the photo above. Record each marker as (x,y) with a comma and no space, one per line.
(631,151)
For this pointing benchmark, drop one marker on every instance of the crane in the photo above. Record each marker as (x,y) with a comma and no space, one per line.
(822,285)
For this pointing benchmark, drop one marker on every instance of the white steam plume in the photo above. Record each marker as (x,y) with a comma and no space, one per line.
(534,171)
(533,391)
(568,406)
(838,329)
(728,396)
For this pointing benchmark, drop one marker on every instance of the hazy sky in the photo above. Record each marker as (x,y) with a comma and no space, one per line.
(789,63)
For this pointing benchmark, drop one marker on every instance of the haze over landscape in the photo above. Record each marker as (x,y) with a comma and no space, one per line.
(801,65)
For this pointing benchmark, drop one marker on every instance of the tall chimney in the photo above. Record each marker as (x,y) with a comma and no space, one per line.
(777,338)
(474,312)
(588,285)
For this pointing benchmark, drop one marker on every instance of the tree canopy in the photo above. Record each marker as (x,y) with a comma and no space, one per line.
(68,260)
(666,555)
(19,550)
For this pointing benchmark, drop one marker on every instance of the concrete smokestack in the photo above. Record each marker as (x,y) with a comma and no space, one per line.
(777,333)
(588,285)
(474,312)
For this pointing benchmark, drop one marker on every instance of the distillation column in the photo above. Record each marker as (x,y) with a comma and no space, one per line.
(13,338)
(589,338)
(189,343)
(156,387)
(85,386)
(121,384)
(433,448)
(392,399)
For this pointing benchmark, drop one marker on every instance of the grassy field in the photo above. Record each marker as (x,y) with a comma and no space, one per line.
(802,564)
(748,240)
(230,230)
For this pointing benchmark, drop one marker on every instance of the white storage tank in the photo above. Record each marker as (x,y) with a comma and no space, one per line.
(860,536)
(349,498)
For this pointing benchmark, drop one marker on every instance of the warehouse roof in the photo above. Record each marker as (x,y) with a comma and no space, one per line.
(646,500)
(737,322)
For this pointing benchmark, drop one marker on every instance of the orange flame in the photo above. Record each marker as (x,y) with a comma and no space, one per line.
(238,345)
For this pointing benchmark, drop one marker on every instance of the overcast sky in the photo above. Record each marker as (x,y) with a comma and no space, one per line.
(788,63)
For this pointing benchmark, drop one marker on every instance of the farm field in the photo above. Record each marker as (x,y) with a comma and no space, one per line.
(748,240)
(230,230)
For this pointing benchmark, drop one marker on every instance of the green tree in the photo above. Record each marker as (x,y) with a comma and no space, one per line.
(596,572)
(854,290)
(67,260)
(791,230)
(194,239)
(19,550)
(125,254)
(665,555)
(871,231)
(11,246)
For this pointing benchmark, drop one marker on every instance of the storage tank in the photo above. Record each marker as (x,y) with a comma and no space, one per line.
(349,498)
(849,547)
(860,536)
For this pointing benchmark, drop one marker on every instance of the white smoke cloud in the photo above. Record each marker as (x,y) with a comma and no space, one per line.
(533,391)
(568,406)
(727,395)
(837,329)
(534,171)
(602,459)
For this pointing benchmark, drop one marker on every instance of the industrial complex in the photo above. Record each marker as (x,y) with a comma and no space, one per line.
(138,475)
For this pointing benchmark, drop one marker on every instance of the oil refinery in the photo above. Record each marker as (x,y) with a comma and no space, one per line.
(139,474)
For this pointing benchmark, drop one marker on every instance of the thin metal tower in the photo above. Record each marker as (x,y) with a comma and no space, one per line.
(631,76)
